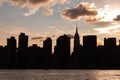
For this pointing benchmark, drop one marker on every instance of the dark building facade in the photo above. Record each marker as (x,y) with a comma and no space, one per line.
(109,42)
(62,52)
(76,55)
(89,53)
(34,57)
(3,57)
(110,52)
(11,46)
(90,41)
(47,53)
(76,40)
(22,49)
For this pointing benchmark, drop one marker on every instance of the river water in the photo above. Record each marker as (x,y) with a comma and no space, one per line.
(59,74)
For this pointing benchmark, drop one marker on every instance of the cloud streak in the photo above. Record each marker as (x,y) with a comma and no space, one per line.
(105,24)
(41,38)
(108,30)
(35,38)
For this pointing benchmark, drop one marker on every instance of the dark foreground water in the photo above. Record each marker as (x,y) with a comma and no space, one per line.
(59,74)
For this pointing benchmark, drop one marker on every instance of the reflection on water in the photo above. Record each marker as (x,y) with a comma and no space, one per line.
(59,74)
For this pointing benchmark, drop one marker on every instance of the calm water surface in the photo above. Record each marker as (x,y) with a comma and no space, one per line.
(59,74)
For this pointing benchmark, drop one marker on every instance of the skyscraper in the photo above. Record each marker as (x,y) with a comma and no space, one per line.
(22,49)
(47,53)
(76,55)
(76,41)
(11,46)
(109,42)
(23,41)
(89,51)
(62,52)
(34,57)
(90,41)
(110,54)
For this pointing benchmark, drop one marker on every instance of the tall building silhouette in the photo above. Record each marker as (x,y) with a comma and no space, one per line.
(90,41)
(76,55)
(11,46)
(89,55)
(3,57)
(110,53)
(23,41)
(76,40)
(62,52)
(22,49)
(34,57)
(109,42)
(47,53)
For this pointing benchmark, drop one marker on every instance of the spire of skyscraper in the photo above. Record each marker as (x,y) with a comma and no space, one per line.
(76,38)
(76,29)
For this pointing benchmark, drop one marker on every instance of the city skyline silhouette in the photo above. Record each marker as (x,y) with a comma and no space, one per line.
(86,56)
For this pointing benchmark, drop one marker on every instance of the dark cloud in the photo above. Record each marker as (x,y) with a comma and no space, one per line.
(117,18)
(38,1)
(94,19)
(70,35)
(84,10)
(35,38)
(41,38)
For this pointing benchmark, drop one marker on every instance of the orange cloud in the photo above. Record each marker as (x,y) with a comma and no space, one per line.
(48,11)
(35,5)
(41,38)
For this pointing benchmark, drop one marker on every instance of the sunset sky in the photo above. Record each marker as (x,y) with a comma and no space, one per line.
(51,18)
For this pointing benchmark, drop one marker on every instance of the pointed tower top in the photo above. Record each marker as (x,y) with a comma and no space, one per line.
(76,28)
(76,39)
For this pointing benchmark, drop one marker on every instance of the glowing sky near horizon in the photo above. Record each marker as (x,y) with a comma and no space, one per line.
(52,18)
